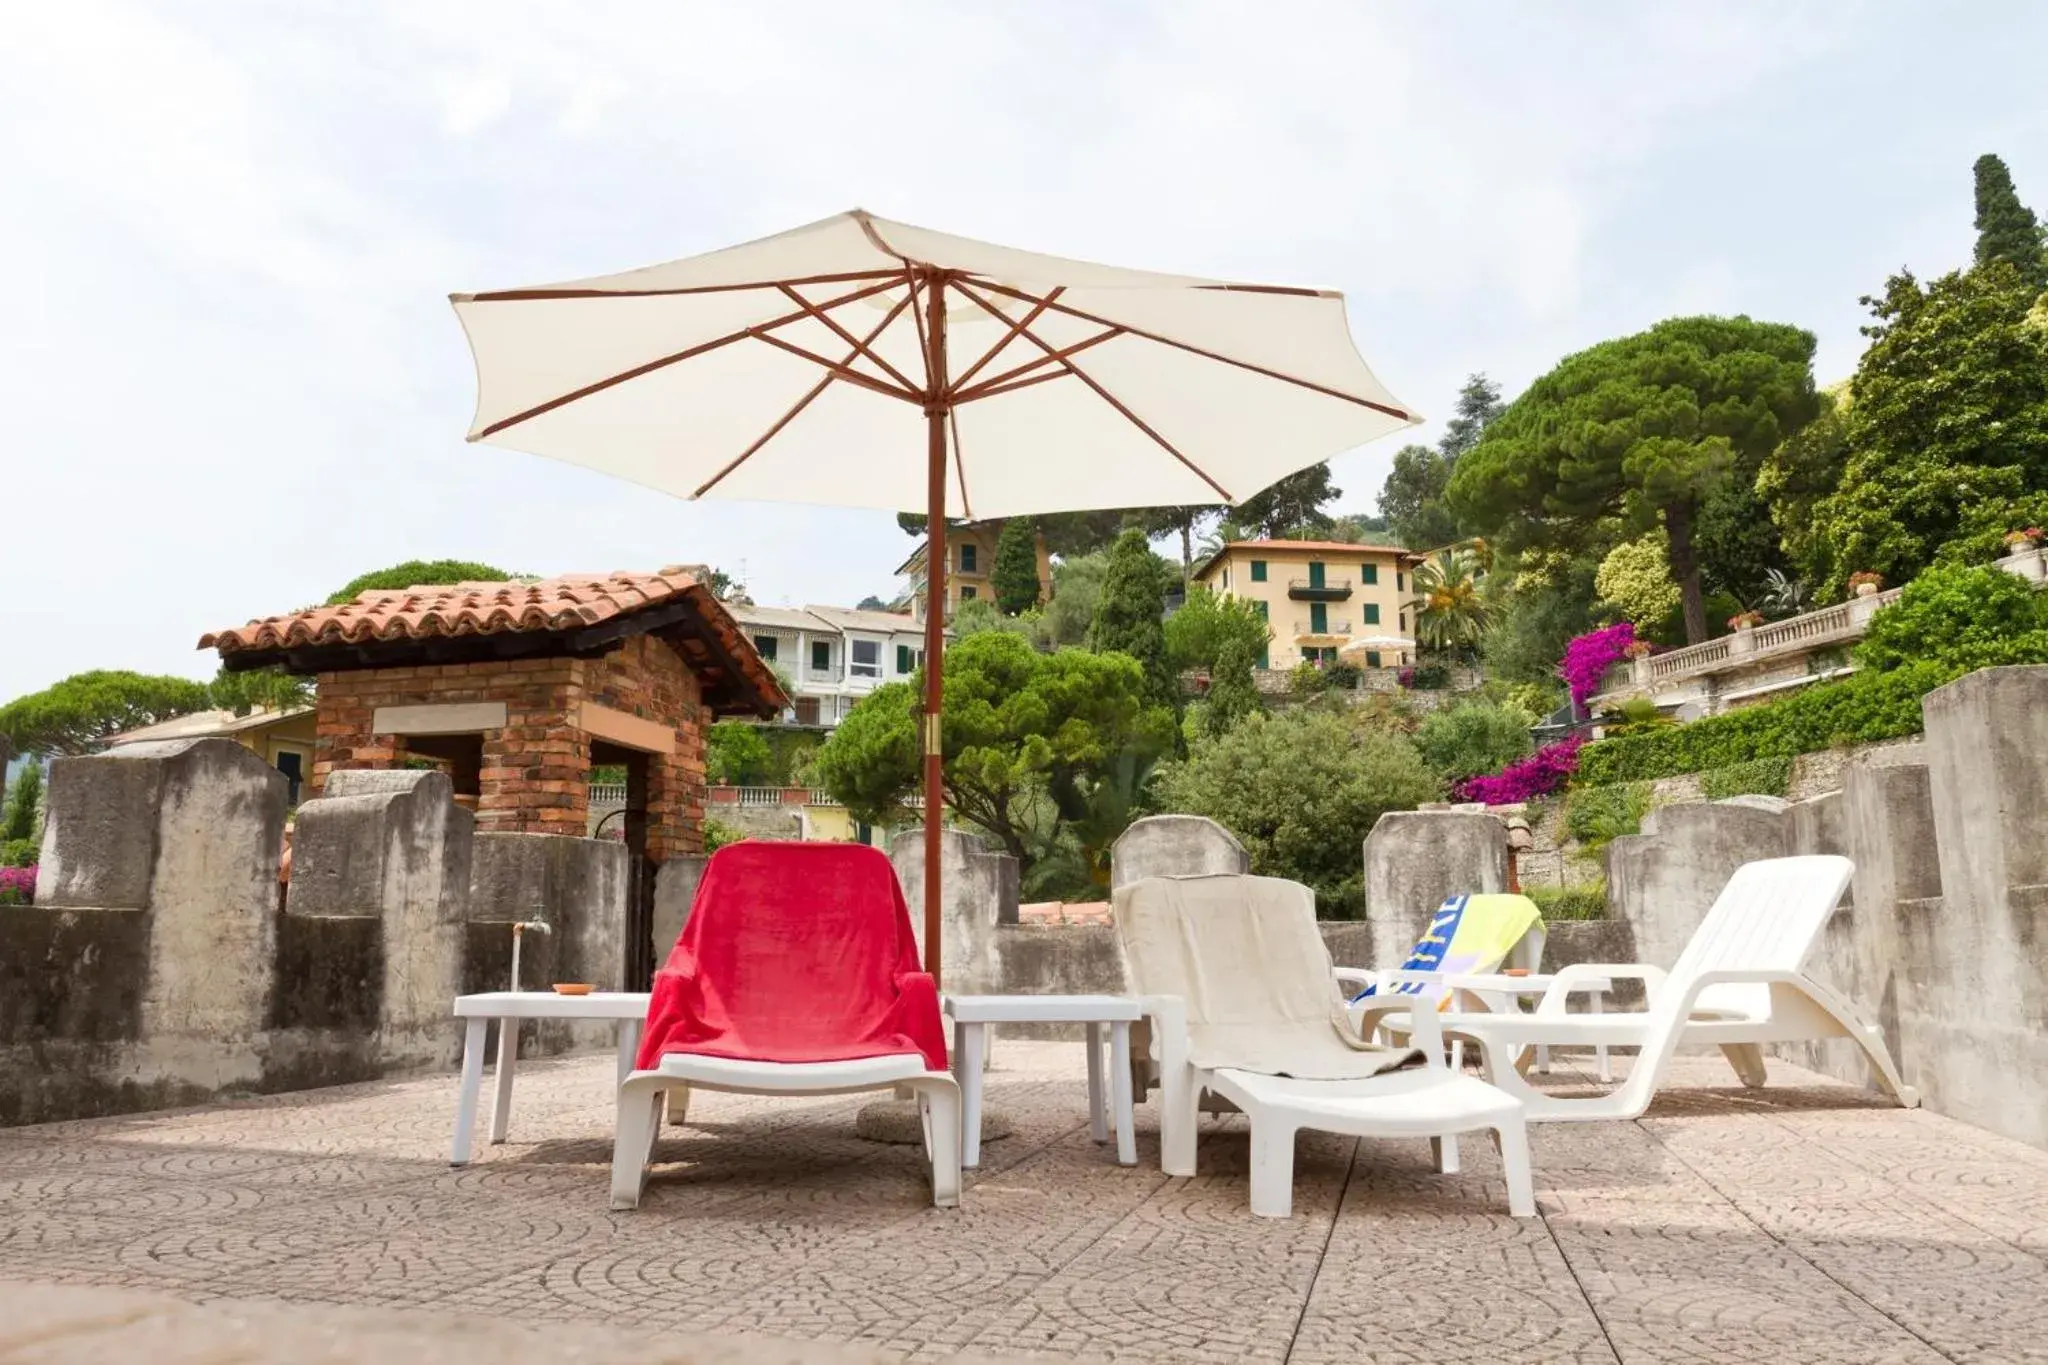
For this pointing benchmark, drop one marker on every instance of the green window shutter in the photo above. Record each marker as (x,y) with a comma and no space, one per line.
(1258,571)
(1318,618)
(1263,608)
(903,658)
(1372,613)
(1265,656)
(1370,573)
(1372,658)
(1315,573)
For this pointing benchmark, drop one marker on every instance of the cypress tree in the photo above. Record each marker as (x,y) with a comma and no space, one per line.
(2007,229)
(1015,575)
(1130,613)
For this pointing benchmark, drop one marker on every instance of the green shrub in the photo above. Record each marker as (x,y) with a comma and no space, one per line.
(736,753)
(717,834)
(1570,902)
(19,853)
(1594,816)
(1342,674)
(1307,679)
(1969,617)
(1758,777)
(1472,738)
(1856,710)
(1429,677)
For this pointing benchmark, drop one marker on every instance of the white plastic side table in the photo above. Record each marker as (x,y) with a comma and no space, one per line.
(972,1014)
(508,1008)
(1539,985)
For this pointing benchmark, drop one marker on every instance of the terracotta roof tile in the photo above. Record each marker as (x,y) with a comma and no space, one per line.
(570,602)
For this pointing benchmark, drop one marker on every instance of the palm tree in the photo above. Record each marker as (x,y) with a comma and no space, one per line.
(1450,614)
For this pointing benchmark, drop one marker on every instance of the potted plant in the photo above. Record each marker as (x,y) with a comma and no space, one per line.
(1865,583)
(2027,539)
(1745,620)
(1638,649)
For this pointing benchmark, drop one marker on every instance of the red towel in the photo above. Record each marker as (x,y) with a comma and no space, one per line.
(795,952)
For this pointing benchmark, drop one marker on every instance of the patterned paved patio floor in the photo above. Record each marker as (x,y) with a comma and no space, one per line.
(1801,1223)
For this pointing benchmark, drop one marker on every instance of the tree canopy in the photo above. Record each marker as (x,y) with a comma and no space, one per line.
(79,714)
(1015,573)
(416,573)
(736,753)
(2007,230)
(1944,444)
(1128,612)
(269,689)
(1301,790)
(1412,499)
(1015,725)
(1293,504)
(1639,430)
(1206,624)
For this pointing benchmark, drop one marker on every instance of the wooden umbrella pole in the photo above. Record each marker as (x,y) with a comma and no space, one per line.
(936,408)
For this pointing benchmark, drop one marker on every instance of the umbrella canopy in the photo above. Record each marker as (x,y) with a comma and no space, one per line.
(804,367)
(794,369)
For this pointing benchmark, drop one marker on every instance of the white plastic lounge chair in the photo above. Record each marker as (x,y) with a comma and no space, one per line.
(1739,984)
(1238,987)
(1469,935)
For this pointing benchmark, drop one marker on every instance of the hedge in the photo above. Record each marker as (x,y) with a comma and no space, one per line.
(1857,710)
(1571,902)
(1758,777)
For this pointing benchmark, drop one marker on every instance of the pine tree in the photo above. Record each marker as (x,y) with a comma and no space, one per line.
(1130,613)
(2007,229)
(1015,575)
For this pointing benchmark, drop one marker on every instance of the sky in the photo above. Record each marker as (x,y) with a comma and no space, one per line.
(230,380)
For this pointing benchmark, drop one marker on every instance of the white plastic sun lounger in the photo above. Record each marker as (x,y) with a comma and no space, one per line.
(1237,985)
(1739,984)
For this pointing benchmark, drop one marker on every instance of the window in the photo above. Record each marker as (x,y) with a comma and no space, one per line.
(291,765)
(1372,613)
(903,663)
(764,645)
(821,656)
(1372,658)
(1258,571)
(1404,623)
(1315,573)
(967,556)
(967,593)
(1265,656)
(867,659)
(1369,573)
(1400,581)
(1318,619)
(1262,609)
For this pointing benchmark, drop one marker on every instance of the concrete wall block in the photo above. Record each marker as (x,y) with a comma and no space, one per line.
(980,894)
(1662,881)
(675,891)
(1413,859)
(394,846)
(99,832)
(1174,846)
(578,886)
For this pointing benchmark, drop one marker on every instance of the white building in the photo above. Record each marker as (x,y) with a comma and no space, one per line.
(833,656)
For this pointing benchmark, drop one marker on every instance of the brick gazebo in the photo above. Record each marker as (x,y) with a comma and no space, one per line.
(518,689)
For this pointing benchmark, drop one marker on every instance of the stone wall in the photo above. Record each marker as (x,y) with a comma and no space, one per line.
(161,965)
(141,975)
(1940,939)
(1174,846)
(1413,859)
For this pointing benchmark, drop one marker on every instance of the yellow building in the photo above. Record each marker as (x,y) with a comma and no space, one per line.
(283,739)
(970,559)
(1322,597)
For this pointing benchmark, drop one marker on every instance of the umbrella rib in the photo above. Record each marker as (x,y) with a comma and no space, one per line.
(1000,383)
(1104,394)
(800,404)
(959,461)
(663,361)
(860,347)
(1211,355)
(990,354)
(529,295)
(850,376)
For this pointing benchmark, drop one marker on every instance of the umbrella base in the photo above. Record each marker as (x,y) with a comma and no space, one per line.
(897,1121)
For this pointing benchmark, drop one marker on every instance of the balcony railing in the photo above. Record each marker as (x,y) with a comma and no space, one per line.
(1306,626)
(1838,624)
(1329,590)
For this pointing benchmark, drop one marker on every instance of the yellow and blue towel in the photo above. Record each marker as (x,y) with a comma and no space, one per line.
(1468,936)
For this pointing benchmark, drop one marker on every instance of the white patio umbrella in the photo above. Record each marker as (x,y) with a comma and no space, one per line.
(858,362)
